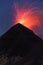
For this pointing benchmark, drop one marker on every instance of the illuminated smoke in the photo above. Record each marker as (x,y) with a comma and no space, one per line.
(31,17)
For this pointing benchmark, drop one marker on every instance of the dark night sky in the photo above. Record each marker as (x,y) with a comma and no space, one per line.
(6,15)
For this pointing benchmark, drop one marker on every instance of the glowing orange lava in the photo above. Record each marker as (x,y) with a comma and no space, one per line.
(26,16)
(31,17)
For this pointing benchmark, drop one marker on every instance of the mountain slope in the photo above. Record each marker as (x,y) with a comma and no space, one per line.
(21,41)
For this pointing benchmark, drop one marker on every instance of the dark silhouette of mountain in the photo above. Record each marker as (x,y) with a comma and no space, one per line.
(19,40)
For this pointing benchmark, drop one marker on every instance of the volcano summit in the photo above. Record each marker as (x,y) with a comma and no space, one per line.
(21,41)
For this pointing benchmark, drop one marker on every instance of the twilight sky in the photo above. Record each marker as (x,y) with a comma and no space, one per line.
(8,14)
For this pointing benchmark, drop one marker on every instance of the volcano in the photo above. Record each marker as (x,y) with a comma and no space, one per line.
(19,40)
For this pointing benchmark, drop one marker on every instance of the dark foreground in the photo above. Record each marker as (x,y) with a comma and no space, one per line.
(20,46)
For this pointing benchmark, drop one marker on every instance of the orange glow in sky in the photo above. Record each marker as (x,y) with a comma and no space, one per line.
(26,16)
(30,17)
